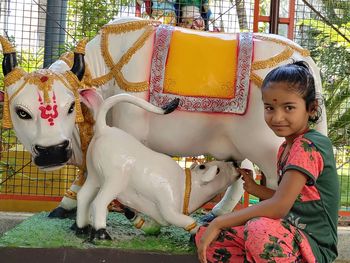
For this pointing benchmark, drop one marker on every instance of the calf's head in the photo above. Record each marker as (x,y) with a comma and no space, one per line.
(215,174)
(42,107)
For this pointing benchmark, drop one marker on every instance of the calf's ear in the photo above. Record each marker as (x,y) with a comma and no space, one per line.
(209,175)
(91,98)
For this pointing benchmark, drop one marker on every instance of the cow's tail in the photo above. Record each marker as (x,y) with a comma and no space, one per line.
(113,100)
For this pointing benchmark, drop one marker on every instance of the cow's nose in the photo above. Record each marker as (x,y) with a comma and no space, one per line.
(42,149)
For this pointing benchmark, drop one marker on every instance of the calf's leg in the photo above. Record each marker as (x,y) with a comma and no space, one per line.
(176,218)
(84,198)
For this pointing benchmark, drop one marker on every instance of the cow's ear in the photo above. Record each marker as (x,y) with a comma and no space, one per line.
(209,175)
(91,98)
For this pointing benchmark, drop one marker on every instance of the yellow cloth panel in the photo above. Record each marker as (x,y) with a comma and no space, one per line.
(201,66)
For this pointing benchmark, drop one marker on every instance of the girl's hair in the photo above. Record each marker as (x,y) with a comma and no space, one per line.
(298,75)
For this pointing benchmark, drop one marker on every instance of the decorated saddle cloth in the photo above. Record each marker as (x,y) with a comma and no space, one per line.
(208,72)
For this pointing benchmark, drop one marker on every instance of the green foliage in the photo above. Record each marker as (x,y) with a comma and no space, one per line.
(331,50)
(30,61)
(87,17)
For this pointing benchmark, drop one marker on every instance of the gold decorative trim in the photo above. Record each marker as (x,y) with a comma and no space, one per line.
(7,47)
(191,226)
(17,91)
(101,80)
(71,194)
(35,79)
(80,48)
(139,224)
(68,58)
(130,86)
(12,77)
(6,118)
(188,184)
(42,78)
(86,132)
(116,68)
(256,79)
(129,26)
(75,84)
(304,52)
(273,61)
(72,79)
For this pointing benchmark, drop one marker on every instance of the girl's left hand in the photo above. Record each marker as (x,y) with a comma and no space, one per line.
(211,234)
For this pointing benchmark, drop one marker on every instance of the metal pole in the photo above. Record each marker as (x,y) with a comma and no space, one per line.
(56,12)
(274,16)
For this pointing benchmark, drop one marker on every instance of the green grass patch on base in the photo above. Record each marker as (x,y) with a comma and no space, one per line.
(39,231)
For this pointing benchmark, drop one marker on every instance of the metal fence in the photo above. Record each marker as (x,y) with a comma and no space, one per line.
(43,29)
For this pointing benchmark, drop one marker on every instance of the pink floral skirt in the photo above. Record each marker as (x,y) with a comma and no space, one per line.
(259,240)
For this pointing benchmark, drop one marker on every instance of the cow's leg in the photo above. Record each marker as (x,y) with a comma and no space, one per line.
(232,195)
(85,196)
(68,203)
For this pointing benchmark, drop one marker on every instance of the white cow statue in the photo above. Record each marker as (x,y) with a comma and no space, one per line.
(119,166)
(220,111)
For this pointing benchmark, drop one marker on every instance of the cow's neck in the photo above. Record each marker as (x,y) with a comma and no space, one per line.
(77,156)
(82,135)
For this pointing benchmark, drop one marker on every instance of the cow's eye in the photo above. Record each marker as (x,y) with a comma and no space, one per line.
(71,108)
(202,166)
(22,114)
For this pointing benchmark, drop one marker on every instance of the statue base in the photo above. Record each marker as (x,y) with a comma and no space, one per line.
(42,239)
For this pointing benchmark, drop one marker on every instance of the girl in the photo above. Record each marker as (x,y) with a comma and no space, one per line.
(298,221)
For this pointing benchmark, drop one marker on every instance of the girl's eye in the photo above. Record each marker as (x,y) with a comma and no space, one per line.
(22,114)
(268,108)
(289,108)
(71,108)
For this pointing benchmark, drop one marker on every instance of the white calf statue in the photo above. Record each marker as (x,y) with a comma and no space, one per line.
(220,111)
(119,166)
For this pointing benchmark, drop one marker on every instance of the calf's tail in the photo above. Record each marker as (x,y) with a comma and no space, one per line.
(113,100)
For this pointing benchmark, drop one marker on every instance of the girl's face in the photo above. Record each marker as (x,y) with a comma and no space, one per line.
(285,110)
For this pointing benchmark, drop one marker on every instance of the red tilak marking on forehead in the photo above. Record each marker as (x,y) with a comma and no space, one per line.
(44,79)
(48,112)
(274,100)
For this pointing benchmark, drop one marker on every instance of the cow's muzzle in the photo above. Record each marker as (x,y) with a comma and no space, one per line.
(51,156)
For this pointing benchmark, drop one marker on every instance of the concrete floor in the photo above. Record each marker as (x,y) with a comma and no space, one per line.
(9,220)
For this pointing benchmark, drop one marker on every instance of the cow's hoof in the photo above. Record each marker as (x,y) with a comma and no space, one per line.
(84,231)
(207,218)
(100,234)
(61,213)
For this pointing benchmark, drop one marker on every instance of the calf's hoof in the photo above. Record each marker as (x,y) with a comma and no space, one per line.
(60,213)
(100,234)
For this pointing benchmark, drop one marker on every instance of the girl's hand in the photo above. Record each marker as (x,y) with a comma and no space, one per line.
(211,234)
(249,184)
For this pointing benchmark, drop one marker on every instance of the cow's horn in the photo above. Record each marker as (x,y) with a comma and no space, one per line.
(79,64)
(9,61)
